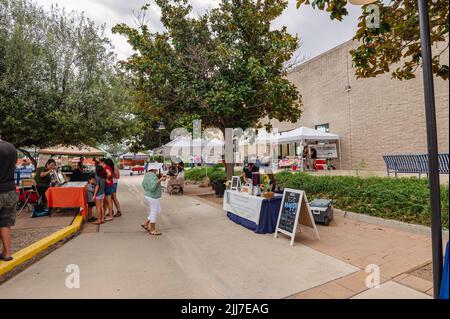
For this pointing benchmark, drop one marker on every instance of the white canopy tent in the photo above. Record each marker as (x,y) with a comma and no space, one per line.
(301,136)
(187,144)
(134,156)
(190,148)
(298,135)
(305,134)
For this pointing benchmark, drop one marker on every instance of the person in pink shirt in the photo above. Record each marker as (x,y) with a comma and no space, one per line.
(109,188)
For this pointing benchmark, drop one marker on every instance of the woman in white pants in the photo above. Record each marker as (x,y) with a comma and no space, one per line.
(152,194)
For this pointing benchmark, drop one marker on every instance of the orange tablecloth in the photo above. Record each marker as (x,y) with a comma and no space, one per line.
(67,197)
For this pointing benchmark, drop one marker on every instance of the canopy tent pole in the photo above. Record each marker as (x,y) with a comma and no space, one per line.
(301,148)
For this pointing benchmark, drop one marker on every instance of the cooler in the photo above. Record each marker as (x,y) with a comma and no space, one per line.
(322,211)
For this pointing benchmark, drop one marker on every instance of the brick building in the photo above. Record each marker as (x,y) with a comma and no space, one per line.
(374,117)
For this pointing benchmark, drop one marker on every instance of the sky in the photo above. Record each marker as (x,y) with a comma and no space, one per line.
(317,32)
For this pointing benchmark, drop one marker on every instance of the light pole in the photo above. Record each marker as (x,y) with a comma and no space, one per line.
(160,128)
(430,118)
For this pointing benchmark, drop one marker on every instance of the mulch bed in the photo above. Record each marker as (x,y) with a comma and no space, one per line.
(22,238)
(34,259)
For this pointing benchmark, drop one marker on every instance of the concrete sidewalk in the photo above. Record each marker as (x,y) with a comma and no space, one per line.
(200,255)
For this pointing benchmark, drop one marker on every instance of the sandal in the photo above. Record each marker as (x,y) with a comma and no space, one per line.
(109,219)
(155,233)
(145,227)
(118,214)
(6,258)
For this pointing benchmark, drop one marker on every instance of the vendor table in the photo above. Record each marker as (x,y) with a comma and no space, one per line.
(291,163)
(69,195)
(139,170)
(255,213)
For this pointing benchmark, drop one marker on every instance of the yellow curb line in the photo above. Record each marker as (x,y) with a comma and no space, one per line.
(28,252)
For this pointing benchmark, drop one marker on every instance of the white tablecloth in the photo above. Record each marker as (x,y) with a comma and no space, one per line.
(75,184)
(243,205)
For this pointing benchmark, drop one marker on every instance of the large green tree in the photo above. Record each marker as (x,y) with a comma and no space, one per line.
(226,67)
(395,46)
(58,83)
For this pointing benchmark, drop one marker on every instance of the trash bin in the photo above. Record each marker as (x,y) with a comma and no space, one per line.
(322,211)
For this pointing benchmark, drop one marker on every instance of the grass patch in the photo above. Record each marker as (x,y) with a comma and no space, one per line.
(402,199)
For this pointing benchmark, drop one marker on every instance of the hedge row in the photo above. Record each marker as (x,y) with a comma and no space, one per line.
(215,172)
(403,199)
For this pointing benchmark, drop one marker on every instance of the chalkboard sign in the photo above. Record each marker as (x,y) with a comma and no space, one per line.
(294,210)
(289,211)
(235,181)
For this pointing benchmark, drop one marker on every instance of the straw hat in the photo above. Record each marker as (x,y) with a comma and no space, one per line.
(153,167)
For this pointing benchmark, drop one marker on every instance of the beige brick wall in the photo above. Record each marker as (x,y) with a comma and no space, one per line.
(378,116)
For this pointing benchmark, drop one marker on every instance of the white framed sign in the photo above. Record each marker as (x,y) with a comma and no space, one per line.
(235,183)
(294,210)
(325,151)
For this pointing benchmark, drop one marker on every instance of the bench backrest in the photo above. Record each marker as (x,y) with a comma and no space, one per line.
(443,163)
(415,163)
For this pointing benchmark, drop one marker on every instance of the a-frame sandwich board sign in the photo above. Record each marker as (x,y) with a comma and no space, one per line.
(294,210)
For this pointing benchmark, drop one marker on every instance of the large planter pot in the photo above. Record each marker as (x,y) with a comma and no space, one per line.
(220,191)
(219,187)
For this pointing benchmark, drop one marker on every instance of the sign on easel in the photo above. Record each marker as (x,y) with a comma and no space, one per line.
(235,183)
(294,210)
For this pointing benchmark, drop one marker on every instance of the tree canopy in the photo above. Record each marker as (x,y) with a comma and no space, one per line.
(394,46)
(225,67)
(58,82)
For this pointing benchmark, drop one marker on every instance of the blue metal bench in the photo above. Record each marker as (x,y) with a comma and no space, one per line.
(414,164)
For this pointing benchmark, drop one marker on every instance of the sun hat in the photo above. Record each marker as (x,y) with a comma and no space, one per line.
(154,167)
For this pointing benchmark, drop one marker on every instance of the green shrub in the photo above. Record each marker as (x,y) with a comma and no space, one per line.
(161,159)
(403,199)
(198,173)
(219,166)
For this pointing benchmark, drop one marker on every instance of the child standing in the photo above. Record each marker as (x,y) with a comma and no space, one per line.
(90,191)
(99,194)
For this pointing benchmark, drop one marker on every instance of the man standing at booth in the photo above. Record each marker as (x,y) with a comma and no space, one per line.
(8,196)
(313,153)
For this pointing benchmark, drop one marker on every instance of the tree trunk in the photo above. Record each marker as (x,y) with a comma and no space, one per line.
(229,152)
(28,154)
(229,169)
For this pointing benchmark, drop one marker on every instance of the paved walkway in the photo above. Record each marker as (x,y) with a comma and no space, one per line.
(204,255)
(200,255)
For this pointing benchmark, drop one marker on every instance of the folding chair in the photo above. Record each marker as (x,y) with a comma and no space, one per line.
(28,195)
(167,183)
(176,186)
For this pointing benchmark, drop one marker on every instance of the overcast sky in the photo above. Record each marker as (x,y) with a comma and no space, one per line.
(315,29)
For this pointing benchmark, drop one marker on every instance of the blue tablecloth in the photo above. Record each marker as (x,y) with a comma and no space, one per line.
(445,277)
(267,219)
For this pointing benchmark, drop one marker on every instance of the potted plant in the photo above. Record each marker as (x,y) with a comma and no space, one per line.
(266,188)
(219,187)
